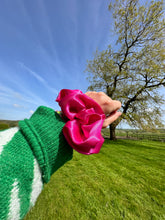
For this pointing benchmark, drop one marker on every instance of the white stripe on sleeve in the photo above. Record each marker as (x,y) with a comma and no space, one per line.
(14,209)
(37,184)
(6,136)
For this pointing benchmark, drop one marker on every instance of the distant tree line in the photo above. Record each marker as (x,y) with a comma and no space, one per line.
(5,124)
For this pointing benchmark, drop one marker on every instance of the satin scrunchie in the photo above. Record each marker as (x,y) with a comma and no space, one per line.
(84,121)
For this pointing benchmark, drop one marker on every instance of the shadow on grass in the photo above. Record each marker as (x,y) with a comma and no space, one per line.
(137,144)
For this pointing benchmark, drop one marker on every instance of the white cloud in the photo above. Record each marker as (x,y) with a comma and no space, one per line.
(7,95)
(38,77)
(17,106)
(6,89)
(31,111)
(34,74)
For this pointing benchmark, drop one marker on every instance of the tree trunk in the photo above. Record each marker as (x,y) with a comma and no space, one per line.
(112,128)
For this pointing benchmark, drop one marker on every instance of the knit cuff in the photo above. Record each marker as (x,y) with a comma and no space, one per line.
(43,132)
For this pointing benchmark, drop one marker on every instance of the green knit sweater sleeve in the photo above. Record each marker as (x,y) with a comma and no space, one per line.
(29,155)
(43,132)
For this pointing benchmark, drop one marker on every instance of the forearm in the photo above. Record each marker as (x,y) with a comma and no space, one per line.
(28,160)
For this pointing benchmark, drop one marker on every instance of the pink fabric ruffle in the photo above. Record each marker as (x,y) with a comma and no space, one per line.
(85,119)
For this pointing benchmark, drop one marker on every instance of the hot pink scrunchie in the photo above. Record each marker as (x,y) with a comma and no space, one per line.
(85,119)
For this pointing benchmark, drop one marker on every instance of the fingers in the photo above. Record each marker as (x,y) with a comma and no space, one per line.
(110,119)
(108,106)
(111,106)
(100,97)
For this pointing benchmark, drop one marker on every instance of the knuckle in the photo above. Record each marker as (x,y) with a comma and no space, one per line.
(101,93)
(119,103)
(108,102)
(105,124)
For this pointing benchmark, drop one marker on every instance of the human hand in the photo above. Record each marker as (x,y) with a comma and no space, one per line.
(108,106)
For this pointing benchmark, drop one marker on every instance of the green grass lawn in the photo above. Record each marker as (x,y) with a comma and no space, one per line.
(124,181)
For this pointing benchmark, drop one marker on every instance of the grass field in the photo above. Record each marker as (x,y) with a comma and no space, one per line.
(124,181)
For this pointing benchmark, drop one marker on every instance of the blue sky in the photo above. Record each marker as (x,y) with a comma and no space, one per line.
(44,48)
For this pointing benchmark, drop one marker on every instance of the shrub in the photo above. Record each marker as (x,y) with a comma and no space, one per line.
(3,126)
